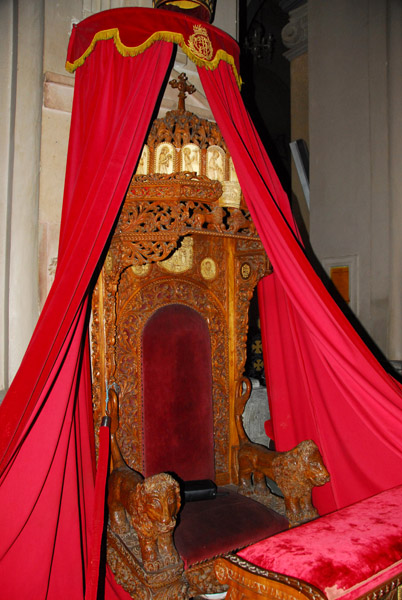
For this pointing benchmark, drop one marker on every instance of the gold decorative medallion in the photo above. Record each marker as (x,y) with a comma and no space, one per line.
(245,270)
(200,44)
(208,268)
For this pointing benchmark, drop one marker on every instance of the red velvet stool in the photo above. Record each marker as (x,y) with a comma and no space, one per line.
(348,554)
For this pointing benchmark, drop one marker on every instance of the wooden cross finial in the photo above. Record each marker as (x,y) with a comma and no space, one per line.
(184,88)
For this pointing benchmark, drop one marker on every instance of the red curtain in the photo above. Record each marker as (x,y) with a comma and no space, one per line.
(47,472)
(324,383)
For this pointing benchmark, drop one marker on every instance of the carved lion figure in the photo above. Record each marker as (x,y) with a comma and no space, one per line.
(213,219)
(150,507)
(237,221)
(296,473)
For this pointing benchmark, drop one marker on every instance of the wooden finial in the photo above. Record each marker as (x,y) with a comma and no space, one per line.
(184,89)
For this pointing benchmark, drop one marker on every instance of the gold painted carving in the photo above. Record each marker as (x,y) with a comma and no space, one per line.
(181,260)
(165,161)
(201,579)
(180,128)
(245,270)
(208,268)
(143,163)
(231,195)
(191,158)
(216,163)
(141,270)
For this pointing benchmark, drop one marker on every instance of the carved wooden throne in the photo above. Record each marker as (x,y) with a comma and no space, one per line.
(170,316)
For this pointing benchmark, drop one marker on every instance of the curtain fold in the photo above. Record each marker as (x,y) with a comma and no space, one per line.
(324,383)
(47,455)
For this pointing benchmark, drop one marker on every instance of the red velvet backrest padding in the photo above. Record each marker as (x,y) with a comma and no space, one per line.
(346,553)
(177,394)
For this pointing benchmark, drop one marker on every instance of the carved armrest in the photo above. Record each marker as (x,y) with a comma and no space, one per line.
(148,507)
(295,472)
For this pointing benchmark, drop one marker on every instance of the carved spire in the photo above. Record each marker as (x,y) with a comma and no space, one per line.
(184,88)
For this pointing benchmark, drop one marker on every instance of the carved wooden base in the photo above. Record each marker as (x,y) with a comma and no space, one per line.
(202,579)
(124,558)
(170,583)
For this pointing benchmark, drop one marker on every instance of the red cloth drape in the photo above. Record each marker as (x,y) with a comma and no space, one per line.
(135,29)
(47,474)
(324,383)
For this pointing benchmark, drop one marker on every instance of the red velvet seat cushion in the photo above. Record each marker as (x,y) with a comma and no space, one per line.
(346,553)
(209,528)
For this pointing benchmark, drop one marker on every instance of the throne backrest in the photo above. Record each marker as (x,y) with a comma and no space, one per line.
(177,394)
(184,253)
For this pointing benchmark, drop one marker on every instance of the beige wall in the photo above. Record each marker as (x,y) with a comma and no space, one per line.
(299,128)
(355,97)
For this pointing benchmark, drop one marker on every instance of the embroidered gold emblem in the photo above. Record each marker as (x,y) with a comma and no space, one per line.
(200,44)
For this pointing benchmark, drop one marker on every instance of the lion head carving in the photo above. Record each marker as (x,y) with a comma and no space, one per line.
(300,468)
(157,504)
(297,472)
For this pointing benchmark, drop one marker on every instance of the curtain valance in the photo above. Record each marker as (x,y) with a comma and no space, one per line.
(133,30)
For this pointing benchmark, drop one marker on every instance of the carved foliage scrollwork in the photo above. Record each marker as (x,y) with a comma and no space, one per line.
(180,128)
(202,579)
(173,203)
(161,208)
(250,581)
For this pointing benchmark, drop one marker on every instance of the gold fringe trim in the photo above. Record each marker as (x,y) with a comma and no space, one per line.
(166,36)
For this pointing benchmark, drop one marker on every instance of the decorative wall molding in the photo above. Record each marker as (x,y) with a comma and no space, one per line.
(58,91)
(352,262)
(295,33)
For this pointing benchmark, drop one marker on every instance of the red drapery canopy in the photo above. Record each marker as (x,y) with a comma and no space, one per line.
(324,382)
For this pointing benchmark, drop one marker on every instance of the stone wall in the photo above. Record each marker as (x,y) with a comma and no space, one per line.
(355,94)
